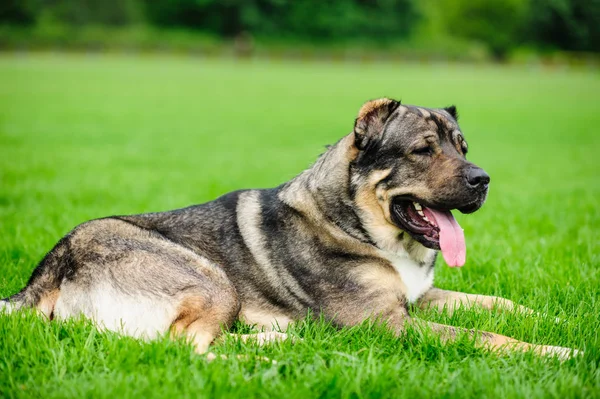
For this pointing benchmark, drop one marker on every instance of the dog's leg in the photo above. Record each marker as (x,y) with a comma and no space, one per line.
(262,338)
(259,338)
(452,300)
(494,342)
(397,318)
(198,323)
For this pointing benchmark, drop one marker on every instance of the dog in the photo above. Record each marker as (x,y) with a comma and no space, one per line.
(354,237)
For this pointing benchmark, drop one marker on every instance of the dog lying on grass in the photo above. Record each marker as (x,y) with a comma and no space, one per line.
(353,237)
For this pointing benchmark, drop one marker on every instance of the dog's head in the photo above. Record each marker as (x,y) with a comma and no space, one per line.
(410,161)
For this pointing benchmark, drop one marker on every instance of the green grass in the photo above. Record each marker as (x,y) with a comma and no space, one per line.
(84,137)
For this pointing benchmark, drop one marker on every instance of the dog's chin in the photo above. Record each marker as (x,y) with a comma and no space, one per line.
(472,207)
(410,215)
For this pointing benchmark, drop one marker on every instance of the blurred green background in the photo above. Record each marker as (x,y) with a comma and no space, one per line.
(440,29)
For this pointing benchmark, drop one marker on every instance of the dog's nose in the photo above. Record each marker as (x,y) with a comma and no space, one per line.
(477,178)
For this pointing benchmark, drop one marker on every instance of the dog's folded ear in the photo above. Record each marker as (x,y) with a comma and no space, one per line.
(371,120)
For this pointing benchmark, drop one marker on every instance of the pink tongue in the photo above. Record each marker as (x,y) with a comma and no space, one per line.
(452,237)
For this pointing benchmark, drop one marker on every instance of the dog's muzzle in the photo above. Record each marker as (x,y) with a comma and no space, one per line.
(477,179)
(477,182)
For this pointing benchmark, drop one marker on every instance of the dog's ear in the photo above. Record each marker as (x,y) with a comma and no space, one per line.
(371,119)
(452,111)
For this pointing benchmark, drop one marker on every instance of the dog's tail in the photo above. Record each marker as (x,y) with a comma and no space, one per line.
(13,302)
(43,288)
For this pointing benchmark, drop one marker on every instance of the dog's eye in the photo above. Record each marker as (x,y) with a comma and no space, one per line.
(423,151)
(463,145)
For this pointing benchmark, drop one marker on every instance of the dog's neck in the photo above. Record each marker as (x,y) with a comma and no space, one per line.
(326,186)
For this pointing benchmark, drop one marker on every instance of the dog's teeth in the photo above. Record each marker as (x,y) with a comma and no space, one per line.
(425,219)
(421,213)
(417,206)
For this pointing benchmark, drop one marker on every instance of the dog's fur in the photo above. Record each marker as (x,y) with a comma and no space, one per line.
(325,241)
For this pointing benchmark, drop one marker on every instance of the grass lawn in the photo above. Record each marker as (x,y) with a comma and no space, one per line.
(89,136)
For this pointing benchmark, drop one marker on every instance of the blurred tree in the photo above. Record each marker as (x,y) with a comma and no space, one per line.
(17,12)
(501,25)
(566,24)
(91,12)
(339,19)
(497,23)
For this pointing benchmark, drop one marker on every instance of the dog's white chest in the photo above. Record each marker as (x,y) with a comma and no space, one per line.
(417,278)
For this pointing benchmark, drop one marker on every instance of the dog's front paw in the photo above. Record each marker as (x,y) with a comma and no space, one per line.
(560,352)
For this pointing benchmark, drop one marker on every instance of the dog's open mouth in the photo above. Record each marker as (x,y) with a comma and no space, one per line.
(436,229)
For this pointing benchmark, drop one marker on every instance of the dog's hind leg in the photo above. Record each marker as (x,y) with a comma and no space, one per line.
(138,283)
(259,339)
(262,338)
(200,323)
